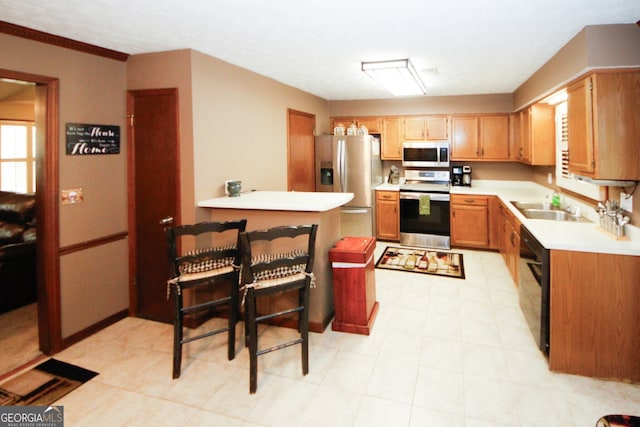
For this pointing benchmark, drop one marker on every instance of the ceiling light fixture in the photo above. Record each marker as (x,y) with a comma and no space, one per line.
(397,76)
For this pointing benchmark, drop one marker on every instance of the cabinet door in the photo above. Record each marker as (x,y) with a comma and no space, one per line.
(371,123)
(469,221)
(525,136)
(387,215)
(414,128)
(579,127)
(542,140)
(494,137)
(392,135)
(495,222)
(464,138)
(437,128)
(514,131)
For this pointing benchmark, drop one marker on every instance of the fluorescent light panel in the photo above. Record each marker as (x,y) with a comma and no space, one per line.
(397,76)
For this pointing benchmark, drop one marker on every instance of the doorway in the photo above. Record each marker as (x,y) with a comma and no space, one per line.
(47,229)
(154,194)
(301,151)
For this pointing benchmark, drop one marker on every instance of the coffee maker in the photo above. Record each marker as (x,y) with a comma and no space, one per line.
(466,176)
(461,176)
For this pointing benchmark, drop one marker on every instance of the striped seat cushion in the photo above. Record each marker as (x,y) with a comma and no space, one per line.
(278,275)
(206,266)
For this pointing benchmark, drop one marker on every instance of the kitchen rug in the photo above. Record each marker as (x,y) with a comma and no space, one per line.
(43,384)
(427,261)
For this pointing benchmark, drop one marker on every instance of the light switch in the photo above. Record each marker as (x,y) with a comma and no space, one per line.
(72,196)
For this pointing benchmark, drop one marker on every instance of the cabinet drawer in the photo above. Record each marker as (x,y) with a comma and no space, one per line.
(387,195)
(469,200)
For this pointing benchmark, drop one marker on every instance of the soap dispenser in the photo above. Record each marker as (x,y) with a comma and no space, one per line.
(555,199)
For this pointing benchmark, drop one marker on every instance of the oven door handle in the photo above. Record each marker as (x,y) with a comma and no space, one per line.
(435,197)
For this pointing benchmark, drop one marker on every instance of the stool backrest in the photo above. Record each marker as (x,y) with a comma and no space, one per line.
(274,249)
(211,241)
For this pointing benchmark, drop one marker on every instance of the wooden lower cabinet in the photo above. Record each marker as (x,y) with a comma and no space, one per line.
(508,239)
(470,221)
(388,215)
(595,320)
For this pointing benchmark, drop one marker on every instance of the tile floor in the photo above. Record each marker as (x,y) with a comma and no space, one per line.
(443,352)
(18,337)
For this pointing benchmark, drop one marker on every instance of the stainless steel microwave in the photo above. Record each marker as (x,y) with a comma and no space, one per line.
(425,154)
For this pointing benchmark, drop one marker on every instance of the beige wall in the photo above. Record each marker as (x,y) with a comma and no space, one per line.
(164,70)
(240,126)
(19,106)
(595,46)
(92,90)
(233,122)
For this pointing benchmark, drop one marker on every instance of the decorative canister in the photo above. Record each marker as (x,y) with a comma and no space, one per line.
(362,130)
(352,129)
(233,187)
(339,129)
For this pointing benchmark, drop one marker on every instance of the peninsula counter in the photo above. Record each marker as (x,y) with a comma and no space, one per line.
(265,209)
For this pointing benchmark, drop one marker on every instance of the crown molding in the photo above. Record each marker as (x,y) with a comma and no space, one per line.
(42,37)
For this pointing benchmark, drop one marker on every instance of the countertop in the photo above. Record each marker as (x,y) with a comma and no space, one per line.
(280,201)
(559,235)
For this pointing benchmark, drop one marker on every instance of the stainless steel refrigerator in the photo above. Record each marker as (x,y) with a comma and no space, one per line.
(351,164)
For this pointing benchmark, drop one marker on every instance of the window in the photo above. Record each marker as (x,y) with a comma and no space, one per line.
(17,156)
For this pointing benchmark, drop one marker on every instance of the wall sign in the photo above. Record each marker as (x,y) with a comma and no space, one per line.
(84,139)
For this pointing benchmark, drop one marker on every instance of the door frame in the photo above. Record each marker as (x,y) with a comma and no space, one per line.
(131,185)
(47,207)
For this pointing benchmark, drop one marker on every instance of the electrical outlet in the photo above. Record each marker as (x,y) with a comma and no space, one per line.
(626,201)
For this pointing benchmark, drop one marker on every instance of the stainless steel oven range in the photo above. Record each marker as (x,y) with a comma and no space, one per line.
(424,209)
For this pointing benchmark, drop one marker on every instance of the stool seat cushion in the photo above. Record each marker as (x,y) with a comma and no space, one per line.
(281,274)
(205,260)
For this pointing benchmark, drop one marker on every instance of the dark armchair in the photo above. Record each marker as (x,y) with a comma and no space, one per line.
(18,281)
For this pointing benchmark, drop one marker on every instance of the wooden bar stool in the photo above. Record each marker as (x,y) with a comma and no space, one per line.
(216,260)
(268,269)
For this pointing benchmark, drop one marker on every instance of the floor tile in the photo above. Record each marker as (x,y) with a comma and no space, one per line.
(442,351)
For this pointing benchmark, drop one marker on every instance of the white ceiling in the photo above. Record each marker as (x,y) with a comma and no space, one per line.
(476,46)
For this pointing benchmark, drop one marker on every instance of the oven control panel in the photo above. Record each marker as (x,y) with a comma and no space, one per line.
(427,175)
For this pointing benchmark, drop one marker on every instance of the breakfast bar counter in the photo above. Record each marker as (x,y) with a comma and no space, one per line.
(265,209)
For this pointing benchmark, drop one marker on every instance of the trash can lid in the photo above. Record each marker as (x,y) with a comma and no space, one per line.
(352,249)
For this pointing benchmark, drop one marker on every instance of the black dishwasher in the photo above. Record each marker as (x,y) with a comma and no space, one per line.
(533,290)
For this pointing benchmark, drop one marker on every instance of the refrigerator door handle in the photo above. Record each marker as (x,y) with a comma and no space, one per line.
(341,164)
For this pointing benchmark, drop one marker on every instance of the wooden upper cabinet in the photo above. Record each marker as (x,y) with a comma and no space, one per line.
(579,131)
(464,138)
(426,128)
(537,135)
(483,137)
(494,137)
(603,113)
(437,127)
(392,137)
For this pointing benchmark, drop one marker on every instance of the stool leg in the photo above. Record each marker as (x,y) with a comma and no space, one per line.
(177,333)
(304,330)
(253,341)
(233,319)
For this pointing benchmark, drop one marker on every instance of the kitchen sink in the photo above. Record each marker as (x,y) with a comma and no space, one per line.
(542,210)
(534,205)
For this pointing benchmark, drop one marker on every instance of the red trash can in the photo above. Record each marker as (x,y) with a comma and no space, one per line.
(354,284)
